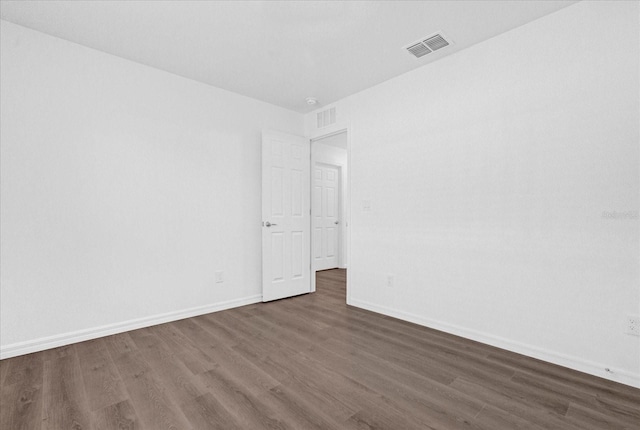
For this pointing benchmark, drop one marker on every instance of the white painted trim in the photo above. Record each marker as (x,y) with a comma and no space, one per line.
(348,210)
(575,363)
(27,347)
(341,127)
(329,131)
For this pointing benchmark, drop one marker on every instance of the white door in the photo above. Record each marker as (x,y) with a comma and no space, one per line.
(286,219)
(326,207)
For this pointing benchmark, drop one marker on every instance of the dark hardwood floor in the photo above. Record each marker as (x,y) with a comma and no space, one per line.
(308,362)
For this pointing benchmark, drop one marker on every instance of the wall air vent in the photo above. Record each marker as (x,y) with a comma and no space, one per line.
(326,117)
(428,44)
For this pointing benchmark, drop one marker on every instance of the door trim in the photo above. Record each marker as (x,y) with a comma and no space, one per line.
(346,200)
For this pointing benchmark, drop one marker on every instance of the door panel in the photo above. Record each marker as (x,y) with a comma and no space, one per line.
(285,216)
(326,205)
(331,243)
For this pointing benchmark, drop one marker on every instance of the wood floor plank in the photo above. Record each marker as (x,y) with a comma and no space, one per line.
(519,406)
(188,391)
(207,413)
(436,393)
(544,401)
(382,420)
(245,408)
(196,360)
(25,369)
(571,379)
(4,367)
(261,354)
(61,351)
(451,357)
(415,402)
(318,387)
(236,326)
(65,403)
(589,419)
(250,376)
(119,344)
(308,362)
(268,338)
(118,416)
(384,352)
(21,406)
(490,418)
(301,312)
(297,413)
(292,322)
(226,335)
(619,409)
(148,397)
(21,395)
(101,378)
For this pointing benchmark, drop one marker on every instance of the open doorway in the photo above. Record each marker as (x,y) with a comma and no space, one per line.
(329,209)
(287,186)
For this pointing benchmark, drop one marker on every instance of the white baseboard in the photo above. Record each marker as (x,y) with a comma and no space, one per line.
(575,363)
(21,348)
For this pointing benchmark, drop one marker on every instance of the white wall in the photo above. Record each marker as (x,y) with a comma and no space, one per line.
(124,188)
(489,172)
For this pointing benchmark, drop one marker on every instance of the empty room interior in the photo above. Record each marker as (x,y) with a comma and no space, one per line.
(320,215)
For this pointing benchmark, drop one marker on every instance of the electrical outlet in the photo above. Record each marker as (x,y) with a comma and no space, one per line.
(390,281)
(219,277)
(633,325)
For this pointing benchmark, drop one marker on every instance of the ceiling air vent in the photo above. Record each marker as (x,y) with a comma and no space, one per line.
(418,50)
(428,44)
(326,117)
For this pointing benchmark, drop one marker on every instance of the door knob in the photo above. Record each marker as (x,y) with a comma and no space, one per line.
(268,224)
(336,222)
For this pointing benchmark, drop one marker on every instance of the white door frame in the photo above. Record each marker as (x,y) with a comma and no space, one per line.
(346,207)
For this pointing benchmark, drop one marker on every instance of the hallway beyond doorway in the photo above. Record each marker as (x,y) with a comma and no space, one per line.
(332,283)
